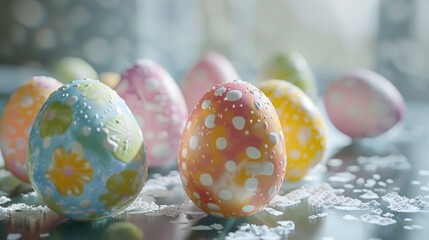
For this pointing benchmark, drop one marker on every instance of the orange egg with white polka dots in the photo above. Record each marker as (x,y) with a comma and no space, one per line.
(17,120)
(232,155)
(303,126)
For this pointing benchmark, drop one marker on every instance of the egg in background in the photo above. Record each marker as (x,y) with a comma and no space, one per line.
(17,120)
(303,126)
(363,104)
(291,66)
(159,107)
(86,156)
(111,79)
(68,69)
(232,156)
(211,70)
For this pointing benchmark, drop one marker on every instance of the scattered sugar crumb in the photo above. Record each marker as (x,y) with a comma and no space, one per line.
(335,162)
(273,212)
(4,199)
(319,215)
(424,188)
(369,195)
(415,182)
(408,219)
(399,203)
(424,173)
(342,177)
(200,228)
(360,181)
(252,231)
(13,236)
(398,162)
(353,168)
(216,226)
(349,186)
(377,219)
(350,217)
(389,181)
(408,228)
(44,235)
(376,176)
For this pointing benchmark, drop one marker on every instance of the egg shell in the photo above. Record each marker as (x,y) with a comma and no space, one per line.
(17,120)
(86,155)
(291,66)
(232,156)
(159,107)
(363,104)
(211,70)
(303,126)
(71,68)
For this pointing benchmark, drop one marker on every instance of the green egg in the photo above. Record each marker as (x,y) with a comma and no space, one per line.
(71,68)
(292,67)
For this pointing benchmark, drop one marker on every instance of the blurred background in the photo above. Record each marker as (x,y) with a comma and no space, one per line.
(388,36)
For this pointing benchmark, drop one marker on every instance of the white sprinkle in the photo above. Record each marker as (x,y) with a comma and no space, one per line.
(253,153)
(248,208)
(184,166)
(233,95)
(424,173)
(225,194)
(238,122)
(206,103)
(221,143)
(188,125)
(216,226)
(220,91)
(294,154)
(230,166)
(206,179)
(209,122)
(193,142)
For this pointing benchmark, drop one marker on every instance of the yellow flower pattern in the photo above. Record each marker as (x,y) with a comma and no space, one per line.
(69,172)
(122,188)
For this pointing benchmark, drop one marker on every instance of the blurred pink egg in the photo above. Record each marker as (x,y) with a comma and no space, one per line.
(211,70)
(159,107)
(363,104)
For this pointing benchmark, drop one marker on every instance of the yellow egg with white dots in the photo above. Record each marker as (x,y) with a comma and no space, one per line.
(302,124)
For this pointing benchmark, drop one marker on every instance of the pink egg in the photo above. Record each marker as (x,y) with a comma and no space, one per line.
(211,70)
(159,107)
(363,104)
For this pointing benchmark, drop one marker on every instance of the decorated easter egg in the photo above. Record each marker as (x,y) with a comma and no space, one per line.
(292,67)
(232,156)
(71,68)
(111,79)
(303,126)
(363,104)
(17,120)
(159,107)
(86,156)
(211,70)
